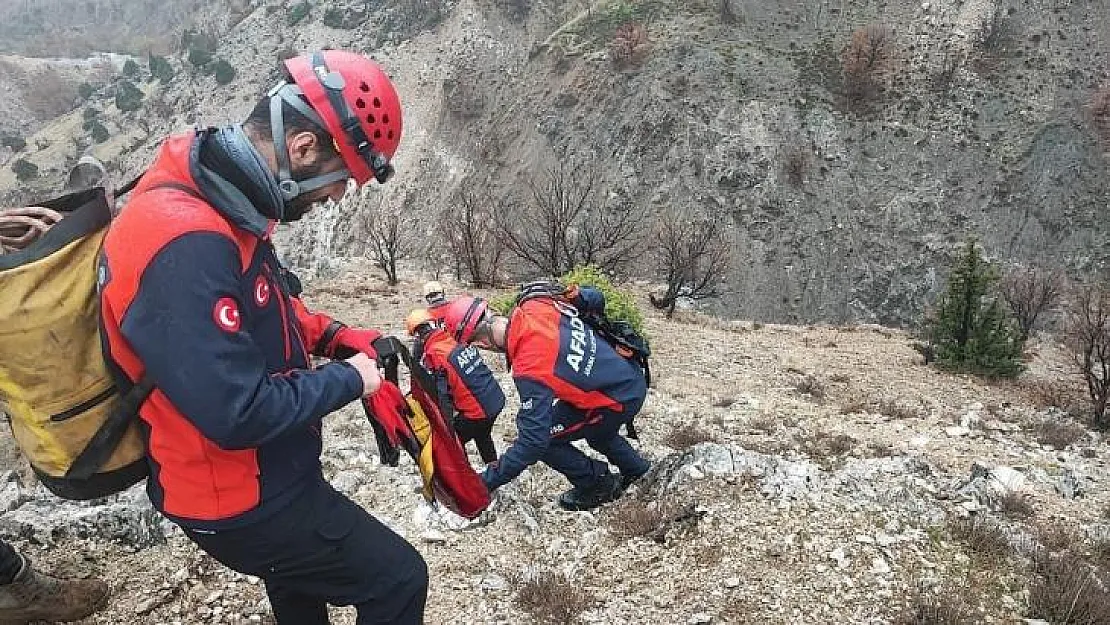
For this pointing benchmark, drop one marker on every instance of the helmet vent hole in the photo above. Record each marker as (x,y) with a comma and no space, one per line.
(385,119)
(370,118)
(360,103)
(377,103)
(377,134)
(365,87)
(389,135)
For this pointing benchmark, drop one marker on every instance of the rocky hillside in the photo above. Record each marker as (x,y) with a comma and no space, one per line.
(845,190)
(802,474)
(73,28)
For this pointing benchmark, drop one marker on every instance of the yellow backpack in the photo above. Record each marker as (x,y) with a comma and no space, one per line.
(67,414)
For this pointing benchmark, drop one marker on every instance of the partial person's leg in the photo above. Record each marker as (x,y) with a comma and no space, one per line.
(10,563)
(605,438)
(326,549)
(486,447)
(290,606)
(27,595)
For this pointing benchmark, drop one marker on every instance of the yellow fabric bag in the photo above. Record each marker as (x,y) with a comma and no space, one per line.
(65,410)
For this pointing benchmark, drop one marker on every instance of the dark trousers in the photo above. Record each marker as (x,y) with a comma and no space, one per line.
(481,432)
(599,428)
(10,563)
(325,549)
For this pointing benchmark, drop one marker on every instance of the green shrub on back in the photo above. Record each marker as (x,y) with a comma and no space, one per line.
(619,305)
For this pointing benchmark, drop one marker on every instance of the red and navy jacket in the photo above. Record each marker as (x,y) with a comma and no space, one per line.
(556,355)
(193,298)
(463,377)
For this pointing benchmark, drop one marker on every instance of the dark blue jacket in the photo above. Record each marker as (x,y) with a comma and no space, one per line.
(556,355)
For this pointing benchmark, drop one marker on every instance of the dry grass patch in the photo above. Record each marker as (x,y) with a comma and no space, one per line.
(686,436)
(887,407)
(1059,433)
(950,605)
(985,540)
(827,446)
(1066,396)
(1100,552)
(764,423)
(1056,535)
(1015,506)
(552,598)
(636,518)
(811,385)
(881,449)
(1068,591)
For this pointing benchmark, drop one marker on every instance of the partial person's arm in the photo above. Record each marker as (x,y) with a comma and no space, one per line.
(185,326)
(533,423)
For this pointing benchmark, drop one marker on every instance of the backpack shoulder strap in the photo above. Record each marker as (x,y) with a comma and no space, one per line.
(108,437)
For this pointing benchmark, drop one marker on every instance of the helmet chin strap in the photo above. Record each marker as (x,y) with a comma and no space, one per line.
(291,188)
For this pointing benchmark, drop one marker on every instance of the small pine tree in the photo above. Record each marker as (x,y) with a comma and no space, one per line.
(199,57)
(298,12)
(25,170)
(130,68)
(160,68)
(97,132)
(15,142)
(85,90)
(972,331)
(223,71)
(128,96)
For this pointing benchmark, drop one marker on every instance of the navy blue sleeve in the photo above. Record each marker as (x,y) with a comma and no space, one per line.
(215,374)
(590,299)
(533,424)
(476,375)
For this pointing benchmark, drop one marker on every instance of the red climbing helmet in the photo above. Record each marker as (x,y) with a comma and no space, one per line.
(464,316)
(351,98)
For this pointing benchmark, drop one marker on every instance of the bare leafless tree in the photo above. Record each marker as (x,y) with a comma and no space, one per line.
(562,225)
(1030,291)
(390,235)
(1100,113)
(475,249)
(1088,335)
(866,61)
(630,46)
(692,254)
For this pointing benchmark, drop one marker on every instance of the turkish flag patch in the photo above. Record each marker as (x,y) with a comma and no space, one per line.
(261,292)
(226,315)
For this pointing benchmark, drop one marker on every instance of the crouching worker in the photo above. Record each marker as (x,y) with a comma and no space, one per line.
(195,304)
(572,386)
(469,395)
(27,595)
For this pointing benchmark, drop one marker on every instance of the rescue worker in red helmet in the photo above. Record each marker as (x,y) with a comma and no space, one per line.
(468,394)
(195,303)
(572,386)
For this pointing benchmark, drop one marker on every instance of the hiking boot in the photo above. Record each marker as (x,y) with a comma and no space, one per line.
(607,489)
(35,596)
(630,479)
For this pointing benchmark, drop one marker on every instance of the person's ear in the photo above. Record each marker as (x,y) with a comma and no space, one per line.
(304,149)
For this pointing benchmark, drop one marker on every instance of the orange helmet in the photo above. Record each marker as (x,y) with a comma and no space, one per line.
(417,318)
(351,98)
